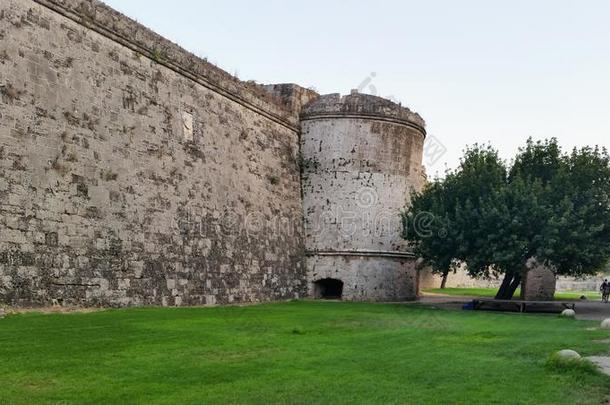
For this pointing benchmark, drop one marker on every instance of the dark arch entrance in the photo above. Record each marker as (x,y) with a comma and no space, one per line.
(328,289)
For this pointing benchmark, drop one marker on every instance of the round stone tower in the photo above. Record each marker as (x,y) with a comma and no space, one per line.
(361,159)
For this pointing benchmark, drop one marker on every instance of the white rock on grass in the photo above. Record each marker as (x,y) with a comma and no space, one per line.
(568,355)
(606,323)
(568,313)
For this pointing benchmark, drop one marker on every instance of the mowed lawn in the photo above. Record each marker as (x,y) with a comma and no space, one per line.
(296,352)
(491,292)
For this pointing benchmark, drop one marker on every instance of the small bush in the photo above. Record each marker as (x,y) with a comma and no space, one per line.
(274,180)
(157,55)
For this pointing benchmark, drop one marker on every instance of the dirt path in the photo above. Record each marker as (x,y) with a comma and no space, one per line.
(594,311)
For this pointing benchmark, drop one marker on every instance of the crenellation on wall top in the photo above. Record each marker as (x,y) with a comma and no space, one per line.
(359,104)
(97,16)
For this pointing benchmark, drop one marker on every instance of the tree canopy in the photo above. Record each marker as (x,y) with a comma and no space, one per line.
(495,217)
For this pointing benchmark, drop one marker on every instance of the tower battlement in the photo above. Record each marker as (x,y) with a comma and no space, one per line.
(364,105)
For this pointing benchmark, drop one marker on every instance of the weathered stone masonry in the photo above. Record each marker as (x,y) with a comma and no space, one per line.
(363,159)
(132,172)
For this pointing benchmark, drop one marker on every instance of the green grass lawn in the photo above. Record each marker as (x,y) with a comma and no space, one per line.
(296,352)
(491,292)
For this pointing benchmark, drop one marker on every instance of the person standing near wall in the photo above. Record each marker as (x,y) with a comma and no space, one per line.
(605,290)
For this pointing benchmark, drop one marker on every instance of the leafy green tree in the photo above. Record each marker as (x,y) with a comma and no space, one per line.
(430,216)
(548,206)
(434,221)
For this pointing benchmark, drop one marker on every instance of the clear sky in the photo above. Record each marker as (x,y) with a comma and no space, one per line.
(477,71)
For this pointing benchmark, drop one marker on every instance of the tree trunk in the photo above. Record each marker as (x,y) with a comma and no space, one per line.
(505,286)
(444,281)
(509,285)
(513,286)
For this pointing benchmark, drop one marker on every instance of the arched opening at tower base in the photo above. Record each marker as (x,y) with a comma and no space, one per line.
(328,289)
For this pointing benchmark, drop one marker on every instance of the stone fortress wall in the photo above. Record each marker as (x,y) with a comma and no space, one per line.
(542,283)
(135,173)
(132,172)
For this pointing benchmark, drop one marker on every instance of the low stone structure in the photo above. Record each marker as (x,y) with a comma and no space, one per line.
(458,279)
(538,283)
(588,283)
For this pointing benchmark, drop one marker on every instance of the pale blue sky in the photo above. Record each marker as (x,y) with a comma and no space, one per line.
(476,71)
